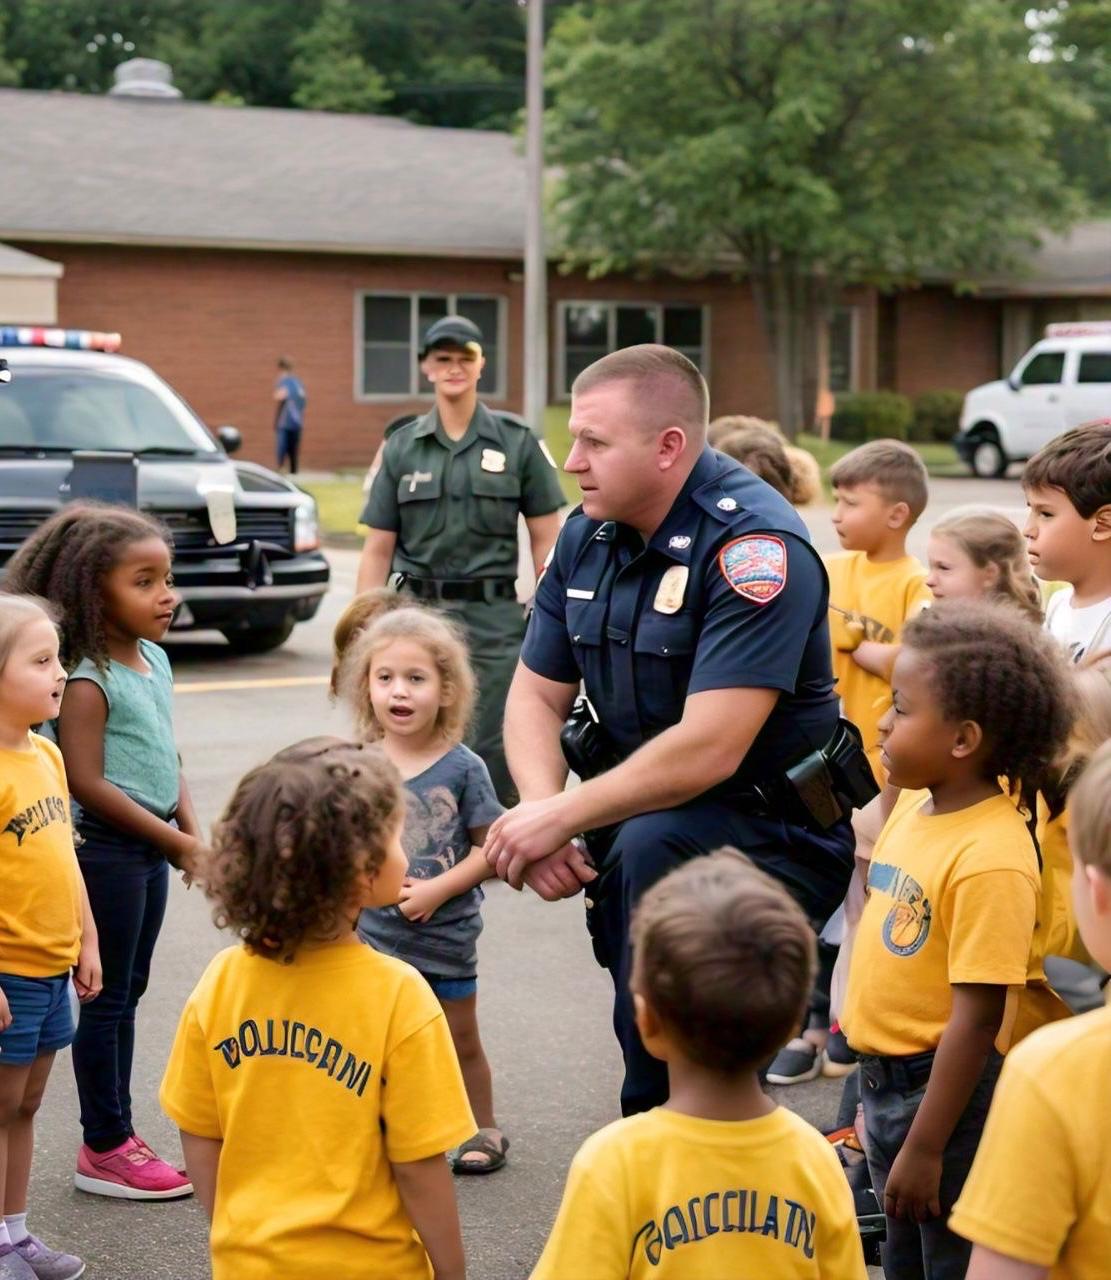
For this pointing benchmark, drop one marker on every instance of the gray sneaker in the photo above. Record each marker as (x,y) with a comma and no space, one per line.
(46,1263)
(12,1266)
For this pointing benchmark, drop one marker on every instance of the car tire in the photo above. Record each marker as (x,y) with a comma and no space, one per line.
(987,459)
(259,639)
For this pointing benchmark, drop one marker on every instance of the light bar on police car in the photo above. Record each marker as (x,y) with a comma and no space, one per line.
(1078,329)
(67,339)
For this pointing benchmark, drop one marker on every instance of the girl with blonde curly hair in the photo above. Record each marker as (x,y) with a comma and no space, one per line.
(407,679)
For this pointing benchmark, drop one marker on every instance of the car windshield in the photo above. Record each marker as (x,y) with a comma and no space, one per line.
(63,409)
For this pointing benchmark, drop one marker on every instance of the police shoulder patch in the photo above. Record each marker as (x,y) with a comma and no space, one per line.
(755,566)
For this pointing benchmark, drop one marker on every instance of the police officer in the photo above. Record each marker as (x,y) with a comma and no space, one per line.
(685,595)
(442,512)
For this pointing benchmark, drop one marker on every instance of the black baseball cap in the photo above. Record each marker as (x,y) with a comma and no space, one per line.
(455,331)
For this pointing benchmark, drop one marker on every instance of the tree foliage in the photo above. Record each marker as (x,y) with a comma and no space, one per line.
(444,62)
(808,143)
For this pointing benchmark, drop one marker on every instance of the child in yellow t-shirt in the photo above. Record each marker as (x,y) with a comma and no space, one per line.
(1038,1201)
(46,928)
(719,1181)
(874,585)
(944,942)
(313,1079)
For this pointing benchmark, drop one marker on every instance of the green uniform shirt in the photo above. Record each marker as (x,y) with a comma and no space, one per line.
(454,503)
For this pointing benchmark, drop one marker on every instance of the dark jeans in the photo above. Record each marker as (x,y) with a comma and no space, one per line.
(289,446)
(127,881)
(815,869)
(927,1250)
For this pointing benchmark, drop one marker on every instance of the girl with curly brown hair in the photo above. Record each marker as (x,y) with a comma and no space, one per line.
(410,686)
(106,570)
(313,1079)
(946,938)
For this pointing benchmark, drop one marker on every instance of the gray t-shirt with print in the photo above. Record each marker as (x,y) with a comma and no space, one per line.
(443,805)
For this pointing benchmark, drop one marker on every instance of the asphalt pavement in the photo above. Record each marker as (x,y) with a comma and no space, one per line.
(544,1004)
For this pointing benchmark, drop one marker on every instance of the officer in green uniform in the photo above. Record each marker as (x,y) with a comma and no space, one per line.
(442,515)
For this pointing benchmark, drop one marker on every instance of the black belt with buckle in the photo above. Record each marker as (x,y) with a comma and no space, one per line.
(904,1074)
(459,588)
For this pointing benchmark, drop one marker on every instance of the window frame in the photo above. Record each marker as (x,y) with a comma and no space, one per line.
(853,309)
(1090,382)
(562,389)
(419,392)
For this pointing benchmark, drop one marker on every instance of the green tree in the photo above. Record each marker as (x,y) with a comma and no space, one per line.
(10,69)
(806,144)
(329,74)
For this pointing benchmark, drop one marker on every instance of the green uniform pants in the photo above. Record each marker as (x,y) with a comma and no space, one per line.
(495,631)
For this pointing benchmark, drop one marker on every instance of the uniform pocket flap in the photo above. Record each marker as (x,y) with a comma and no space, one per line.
(488,484)
(417,486)
(585,621)
(665,634)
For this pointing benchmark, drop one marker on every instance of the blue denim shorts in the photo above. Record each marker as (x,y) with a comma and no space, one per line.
(42,1018)
(451,988)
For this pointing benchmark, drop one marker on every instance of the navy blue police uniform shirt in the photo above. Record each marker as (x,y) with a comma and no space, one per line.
(727,594)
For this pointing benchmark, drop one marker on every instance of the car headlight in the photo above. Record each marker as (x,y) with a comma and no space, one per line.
(306,530)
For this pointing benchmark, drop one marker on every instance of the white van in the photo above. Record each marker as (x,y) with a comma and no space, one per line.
(1059,383)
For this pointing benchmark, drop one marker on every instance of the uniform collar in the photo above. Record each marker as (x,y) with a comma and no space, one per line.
(676,536)
(482,423)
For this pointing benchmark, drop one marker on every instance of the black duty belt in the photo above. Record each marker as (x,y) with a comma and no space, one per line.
(459,588)
(903,1075)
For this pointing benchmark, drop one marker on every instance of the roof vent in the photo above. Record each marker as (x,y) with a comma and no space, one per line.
(144,78)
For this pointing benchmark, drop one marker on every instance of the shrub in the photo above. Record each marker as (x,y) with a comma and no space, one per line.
(937,415)
(871,415)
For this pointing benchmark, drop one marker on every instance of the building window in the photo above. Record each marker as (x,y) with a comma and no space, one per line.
(842,349)
(389,328)
(590,330)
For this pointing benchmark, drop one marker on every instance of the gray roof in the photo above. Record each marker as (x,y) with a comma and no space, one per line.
(14,262)
(85,168)
(1076,263)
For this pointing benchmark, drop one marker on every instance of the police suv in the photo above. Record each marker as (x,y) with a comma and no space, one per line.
(77,420)
(1059,383)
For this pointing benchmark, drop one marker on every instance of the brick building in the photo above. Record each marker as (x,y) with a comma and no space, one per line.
(216,238)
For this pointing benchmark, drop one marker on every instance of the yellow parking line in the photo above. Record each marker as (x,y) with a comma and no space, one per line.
(227,686)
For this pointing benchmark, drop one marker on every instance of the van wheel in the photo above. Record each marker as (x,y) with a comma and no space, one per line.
(988,460)
(259,639)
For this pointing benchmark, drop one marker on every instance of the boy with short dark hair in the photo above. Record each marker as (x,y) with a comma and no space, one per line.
(880,490)
(1048,1217)
(720,1181)
(1068,534)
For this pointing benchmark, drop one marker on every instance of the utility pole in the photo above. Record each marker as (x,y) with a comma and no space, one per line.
(536,263)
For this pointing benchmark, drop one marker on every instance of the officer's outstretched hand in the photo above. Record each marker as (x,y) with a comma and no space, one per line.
(526,834)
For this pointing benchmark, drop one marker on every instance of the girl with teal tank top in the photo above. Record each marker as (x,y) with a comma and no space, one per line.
(106,570)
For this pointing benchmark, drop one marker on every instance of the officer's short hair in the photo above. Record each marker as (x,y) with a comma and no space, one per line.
(726,958)
(893,467)
(671,383)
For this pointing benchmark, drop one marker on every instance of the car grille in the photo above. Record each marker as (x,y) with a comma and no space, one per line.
(191,530)
(193,533)
(18,525)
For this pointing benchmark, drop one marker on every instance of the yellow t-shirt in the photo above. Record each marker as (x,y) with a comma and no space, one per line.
(316,1075)
(1062,938)
(677,1197)
(40,884)
(1040,1188)
(952,898)
(884,595)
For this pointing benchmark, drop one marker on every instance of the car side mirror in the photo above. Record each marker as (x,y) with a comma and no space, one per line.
(1014,382)
(230,439)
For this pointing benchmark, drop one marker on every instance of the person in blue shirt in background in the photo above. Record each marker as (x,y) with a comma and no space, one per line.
(289,392)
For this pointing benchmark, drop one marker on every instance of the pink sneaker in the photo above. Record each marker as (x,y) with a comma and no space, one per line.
(130,1172)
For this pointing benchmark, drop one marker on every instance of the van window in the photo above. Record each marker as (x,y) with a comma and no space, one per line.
(1045,368)
(1095,366)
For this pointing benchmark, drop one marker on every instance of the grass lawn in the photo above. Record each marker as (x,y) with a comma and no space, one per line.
(340,498)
